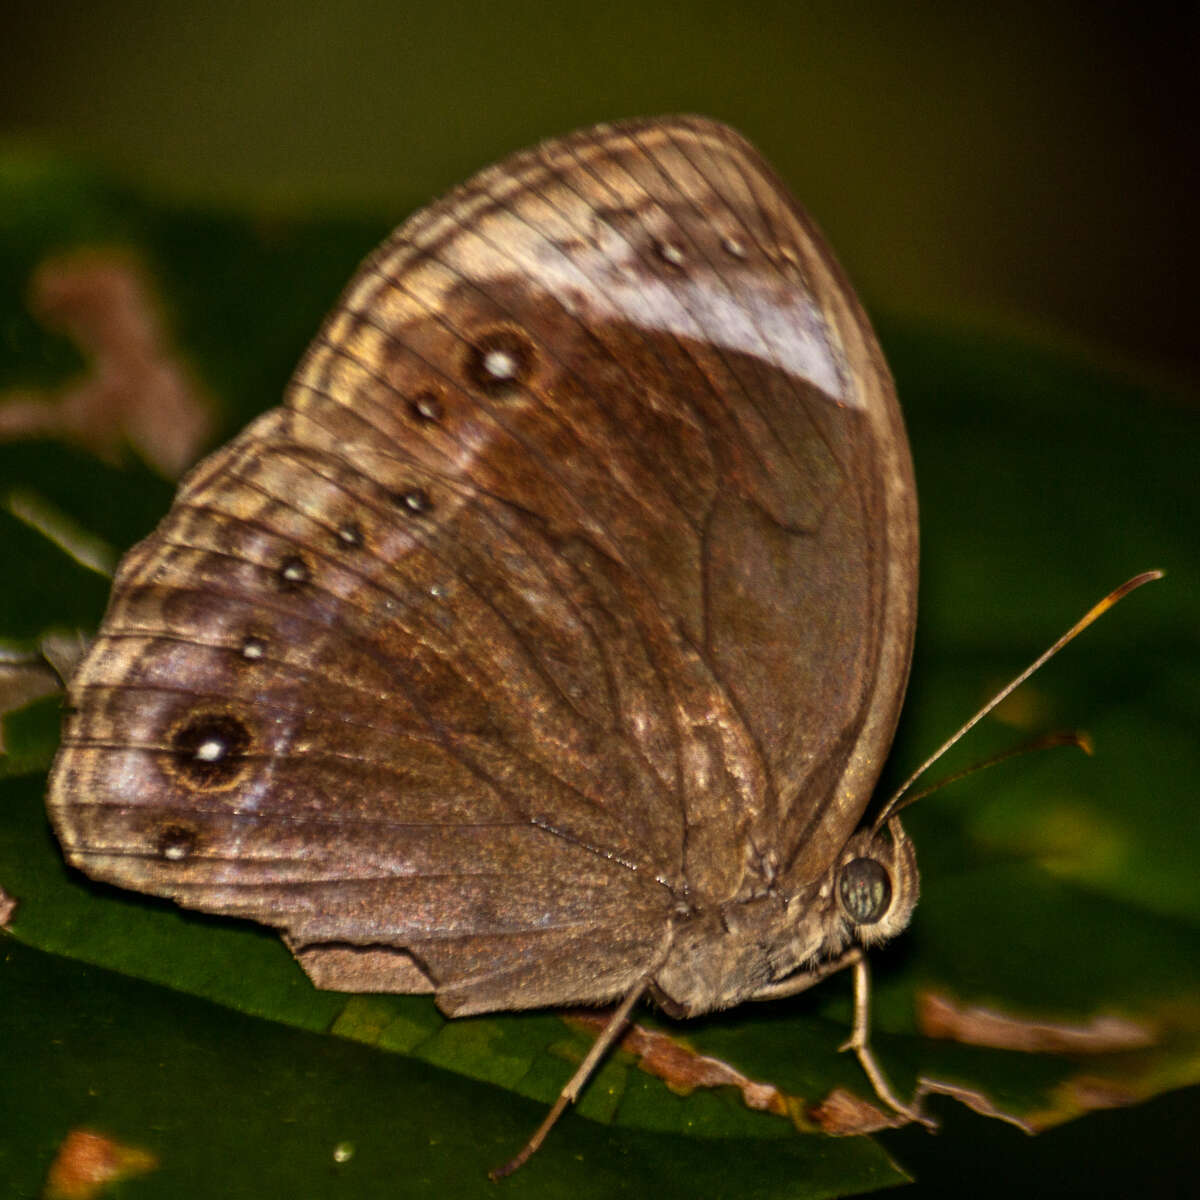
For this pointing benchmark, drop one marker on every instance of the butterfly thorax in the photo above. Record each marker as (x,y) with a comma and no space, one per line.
(733,952)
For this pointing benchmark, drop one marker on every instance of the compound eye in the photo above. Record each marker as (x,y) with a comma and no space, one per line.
(865,890)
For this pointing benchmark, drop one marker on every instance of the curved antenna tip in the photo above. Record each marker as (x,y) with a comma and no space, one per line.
(895,804)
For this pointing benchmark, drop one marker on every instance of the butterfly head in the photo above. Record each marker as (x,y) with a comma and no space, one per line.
(876,884)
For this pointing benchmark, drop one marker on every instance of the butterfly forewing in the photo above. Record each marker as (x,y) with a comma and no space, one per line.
(571,590)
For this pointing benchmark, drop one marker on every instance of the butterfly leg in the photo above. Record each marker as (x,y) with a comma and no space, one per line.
(859,1042)
(801,982)
(574,1085)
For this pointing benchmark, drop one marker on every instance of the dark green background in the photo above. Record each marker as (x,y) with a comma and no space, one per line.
(1014,162)
(1010,188)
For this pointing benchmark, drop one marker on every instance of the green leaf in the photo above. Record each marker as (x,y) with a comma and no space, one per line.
(1057,887)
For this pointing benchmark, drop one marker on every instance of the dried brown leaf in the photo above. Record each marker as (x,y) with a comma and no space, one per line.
(87,1162)
(843,1114)
(683,1069)
(136,391)
(939,1016)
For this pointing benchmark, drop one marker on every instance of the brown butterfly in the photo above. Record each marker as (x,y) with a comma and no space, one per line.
(545,646)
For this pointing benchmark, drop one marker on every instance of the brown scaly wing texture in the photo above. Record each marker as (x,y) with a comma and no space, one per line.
(561,596)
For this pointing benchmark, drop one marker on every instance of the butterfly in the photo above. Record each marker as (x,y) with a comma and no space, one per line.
(545,646)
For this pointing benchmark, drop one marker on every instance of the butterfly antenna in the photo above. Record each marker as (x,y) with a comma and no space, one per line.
(1047,741)
(894,804)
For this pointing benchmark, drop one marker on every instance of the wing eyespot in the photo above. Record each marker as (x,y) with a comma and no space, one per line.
(426,407)
(499,361)
(733,247)
(176,842)
(671,253)
(252,648)
(413,502)
(208,750)
(293,574)
(350,535)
